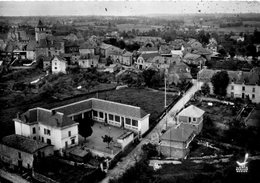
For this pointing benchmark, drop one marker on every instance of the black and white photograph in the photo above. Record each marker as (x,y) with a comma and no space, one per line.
(130,91)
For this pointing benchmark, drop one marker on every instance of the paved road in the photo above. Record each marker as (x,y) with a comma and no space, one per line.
(135,154)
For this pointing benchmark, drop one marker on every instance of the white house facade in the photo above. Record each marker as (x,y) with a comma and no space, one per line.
(47,126)
(58,65)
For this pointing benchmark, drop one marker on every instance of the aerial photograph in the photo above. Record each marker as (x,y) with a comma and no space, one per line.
(130,91)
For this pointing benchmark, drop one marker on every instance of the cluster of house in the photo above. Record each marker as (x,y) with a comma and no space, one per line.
(59,53)
(42,132)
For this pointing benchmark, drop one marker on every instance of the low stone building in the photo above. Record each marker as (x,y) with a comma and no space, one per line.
(20,151)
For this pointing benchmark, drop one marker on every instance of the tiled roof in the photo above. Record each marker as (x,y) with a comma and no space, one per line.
(143,49)
(192,111)
(60,58)
(202,51)
(105,46)
(127,54)
(165,49)
(99,104)
(180,133)
(191,56)
(31,46)
(22,143)
(146,56)
(162,60)
(46,117)
(239,77)
(178,68)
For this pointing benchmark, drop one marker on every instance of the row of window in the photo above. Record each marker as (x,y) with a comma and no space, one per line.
(116,118)
(243,88)
(243,95)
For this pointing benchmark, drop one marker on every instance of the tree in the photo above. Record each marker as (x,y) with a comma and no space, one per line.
(205,89)
(85,129)
(150,150)
(220,81)
(107,139)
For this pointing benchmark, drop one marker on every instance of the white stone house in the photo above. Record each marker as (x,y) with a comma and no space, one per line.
(58,64)
(47,126)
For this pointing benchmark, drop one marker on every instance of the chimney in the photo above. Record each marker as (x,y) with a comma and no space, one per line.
(18,115)
(53,112)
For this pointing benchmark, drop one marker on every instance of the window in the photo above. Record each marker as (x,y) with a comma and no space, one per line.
(101,114)
(128,121)
(253,96)
(111,117)
(66,144)
(45,131)
(194,119)
(253,89)
(48,141)
(117,118)
(72,141)
(189,119)
(34,130)
(19,155)
(134,122)
(42,139)
(48,132)
(55,68)
(69,133)
(232,87)
(55,63)
(243,88)
(34,138)
(95,113)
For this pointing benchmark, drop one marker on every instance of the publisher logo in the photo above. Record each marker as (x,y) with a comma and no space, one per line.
(242,166)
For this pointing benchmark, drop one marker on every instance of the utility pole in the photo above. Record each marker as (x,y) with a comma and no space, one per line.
(165,95)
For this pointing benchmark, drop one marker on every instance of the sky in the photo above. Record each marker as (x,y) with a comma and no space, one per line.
(124,8)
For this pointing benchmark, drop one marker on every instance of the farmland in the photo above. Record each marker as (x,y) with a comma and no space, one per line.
(140,27)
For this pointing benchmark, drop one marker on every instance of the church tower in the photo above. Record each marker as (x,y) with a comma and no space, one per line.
(40,31)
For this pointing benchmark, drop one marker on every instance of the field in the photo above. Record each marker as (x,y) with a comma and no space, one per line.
(140,27)
(151,101)
(235,29)
(252,23)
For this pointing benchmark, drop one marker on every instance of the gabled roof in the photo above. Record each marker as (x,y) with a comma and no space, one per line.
(180,133)
(144,49)
(165,49)
(60,58)
(105,105)
(178,68)
(191,56)
(238,77)
(146,56)
(253,119)
(127,54)
(105,46)
(192,111)
(46,117)
(23,143)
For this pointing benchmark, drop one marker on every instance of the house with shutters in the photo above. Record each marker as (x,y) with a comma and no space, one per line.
(242,84)
(48,126)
